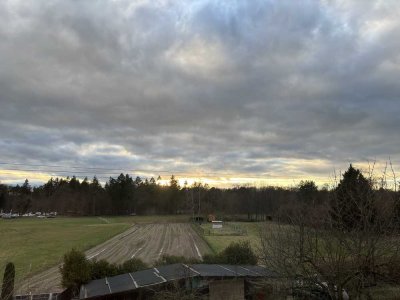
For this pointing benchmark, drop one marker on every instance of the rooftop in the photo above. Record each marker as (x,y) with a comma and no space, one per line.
(154,276)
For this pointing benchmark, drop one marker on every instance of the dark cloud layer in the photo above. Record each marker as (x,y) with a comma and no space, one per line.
(284,89)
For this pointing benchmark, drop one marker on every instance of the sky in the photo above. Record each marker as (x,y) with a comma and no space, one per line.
(226,92)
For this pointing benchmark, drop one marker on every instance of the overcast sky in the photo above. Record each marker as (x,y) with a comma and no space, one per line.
(268,90)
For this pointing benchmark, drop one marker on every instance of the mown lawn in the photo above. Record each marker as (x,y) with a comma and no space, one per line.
(34,244)
(219,239)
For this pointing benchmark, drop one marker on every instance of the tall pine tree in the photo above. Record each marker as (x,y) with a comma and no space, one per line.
(352,203)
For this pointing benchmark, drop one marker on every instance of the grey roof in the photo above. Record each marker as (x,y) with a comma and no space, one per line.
(231,271)
(131,281)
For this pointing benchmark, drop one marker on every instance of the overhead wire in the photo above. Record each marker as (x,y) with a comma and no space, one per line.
(51,168)
(106,173)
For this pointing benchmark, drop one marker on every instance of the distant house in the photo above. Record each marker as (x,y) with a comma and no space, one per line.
(211,281)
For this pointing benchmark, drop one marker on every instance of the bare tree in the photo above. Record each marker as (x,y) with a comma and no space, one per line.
(350,247)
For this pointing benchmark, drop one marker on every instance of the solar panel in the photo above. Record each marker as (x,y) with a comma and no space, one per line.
(213,270)
(131,281)
(175,271)
(95,288)
(146,277)
(121,283)
(261,271)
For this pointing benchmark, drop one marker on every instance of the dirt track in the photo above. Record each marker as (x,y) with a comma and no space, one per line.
(147,242)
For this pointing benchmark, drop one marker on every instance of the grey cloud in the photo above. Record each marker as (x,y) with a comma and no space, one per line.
(231,86)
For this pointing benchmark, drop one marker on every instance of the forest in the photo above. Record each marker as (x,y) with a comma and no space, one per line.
(126,195)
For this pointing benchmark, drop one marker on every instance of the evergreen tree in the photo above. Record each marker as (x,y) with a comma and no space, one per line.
(74,183)
(7,290)
(49,187)
(396,210)
(96,196)
(3,196)
(26,188)
(352,203)
(121,192)
(174,196)
(307,192)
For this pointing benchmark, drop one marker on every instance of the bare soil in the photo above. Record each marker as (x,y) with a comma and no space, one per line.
(146,241)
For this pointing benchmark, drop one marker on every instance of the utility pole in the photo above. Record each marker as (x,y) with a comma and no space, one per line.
(191,192)
(199,198)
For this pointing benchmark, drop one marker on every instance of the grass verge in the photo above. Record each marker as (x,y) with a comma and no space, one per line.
(219,239)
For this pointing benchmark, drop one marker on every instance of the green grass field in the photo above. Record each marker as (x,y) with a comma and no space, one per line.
(219,239)
(34,244)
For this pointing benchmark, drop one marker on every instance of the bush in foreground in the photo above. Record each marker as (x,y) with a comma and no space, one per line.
(237,253)
(173,259)
(131,265)
(77,269)
(102,268)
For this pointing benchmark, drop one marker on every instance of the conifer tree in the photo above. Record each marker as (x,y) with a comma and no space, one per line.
(7,290)
(352,203)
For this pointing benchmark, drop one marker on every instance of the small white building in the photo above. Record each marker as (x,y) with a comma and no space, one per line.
(216,224)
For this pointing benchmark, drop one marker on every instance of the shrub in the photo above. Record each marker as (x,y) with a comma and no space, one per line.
(237,253)
(102,268)
(75,270)
(212,259)
(132,265)
(173,259)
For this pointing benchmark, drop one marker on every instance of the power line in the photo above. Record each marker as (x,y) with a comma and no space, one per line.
(110,170)
(181,175)
(68,171)
(72,167)
(139,172)
(62,170)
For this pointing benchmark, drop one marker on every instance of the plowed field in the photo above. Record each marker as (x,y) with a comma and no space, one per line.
(146,241)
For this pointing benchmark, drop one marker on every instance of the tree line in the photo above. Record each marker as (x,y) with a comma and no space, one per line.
(125,195)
